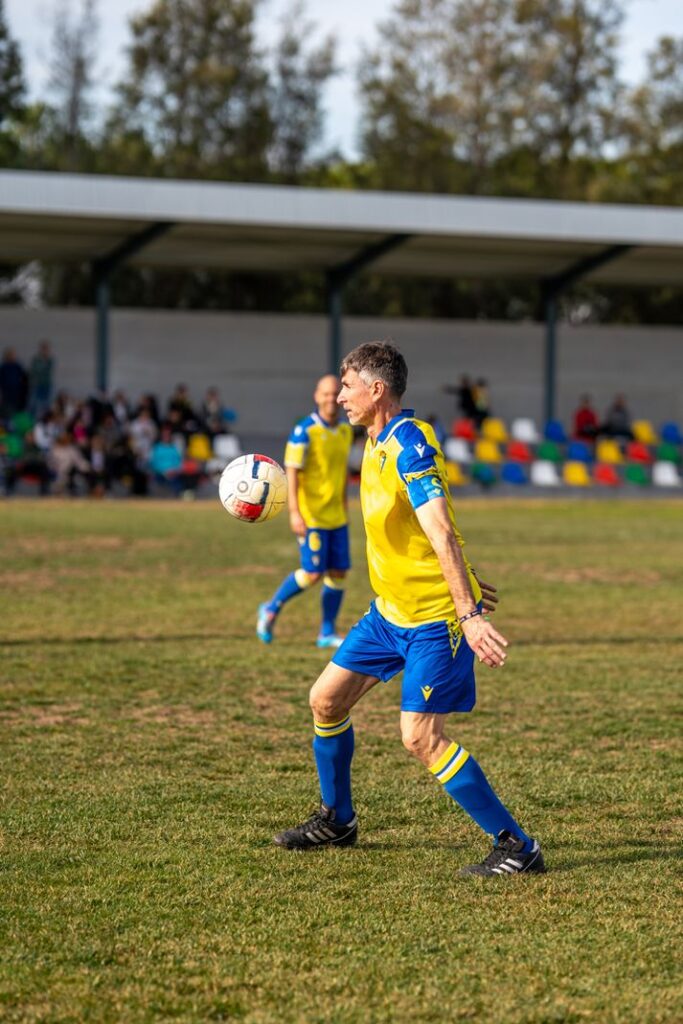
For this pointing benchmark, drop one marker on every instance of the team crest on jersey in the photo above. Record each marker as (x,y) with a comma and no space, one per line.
(382,460)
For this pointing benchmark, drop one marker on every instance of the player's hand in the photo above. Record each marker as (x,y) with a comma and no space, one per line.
(297,524)
(486,642)
(489,596)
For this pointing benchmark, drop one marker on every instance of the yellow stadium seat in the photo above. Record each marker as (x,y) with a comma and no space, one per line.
(576,474)
(455,475)
(644,432)
(494,430)
(199,448)
(487,451)
(608,451)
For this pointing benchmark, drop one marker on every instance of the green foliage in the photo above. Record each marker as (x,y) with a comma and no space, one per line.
(150,748)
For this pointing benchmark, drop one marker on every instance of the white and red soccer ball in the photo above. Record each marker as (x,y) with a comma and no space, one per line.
(253,488)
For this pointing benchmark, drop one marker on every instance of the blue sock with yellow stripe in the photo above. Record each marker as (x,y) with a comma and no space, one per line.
(330,601)
(333,749)
(288,589)
(465,782)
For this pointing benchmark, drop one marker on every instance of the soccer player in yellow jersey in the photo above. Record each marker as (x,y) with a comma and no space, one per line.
(316,461)
(427,621)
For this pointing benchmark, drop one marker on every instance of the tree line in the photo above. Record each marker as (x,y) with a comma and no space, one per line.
(472,97)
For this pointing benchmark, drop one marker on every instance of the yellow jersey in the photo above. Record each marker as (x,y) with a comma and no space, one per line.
(401,471)
(320,451)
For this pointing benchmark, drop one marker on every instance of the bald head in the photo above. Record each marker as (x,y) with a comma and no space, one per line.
(325,397)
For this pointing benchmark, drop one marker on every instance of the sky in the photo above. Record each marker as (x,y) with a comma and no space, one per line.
(352,21)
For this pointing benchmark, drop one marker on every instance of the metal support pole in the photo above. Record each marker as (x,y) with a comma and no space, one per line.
(102,334)
(550,311)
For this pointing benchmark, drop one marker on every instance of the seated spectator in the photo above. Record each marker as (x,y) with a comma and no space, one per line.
(585,420)
(31,462)
(618,420)
(67,462)
(180,404)
(46,430)
(166,463)
(120,407)
(212,415)
(122,464)
(99,479)
(143,433)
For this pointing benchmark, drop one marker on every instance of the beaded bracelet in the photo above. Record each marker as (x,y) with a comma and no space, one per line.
(470,615)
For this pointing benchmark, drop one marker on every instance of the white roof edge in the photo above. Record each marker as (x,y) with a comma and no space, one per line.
(96,197)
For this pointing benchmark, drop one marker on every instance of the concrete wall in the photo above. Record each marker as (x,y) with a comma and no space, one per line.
(266,365)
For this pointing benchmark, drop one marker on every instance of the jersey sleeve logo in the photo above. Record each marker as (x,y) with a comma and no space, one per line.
(420,449)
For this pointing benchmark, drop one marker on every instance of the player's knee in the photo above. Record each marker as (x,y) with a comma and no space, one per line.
(306,579)
(324,705)
(420,742)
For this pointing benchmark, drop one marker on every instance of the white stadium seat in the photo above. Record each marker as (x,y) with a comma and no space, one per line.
(524,429)
(456,449)
(665,474)
(226,447)
(544,474)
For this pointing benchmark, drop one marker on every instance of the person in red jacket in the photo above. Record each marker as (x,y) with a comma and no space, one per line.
(585,420)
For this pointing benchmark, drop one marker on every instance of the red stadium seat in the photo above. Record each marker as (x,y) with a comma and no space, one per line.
(606,474)
(465,429)
(518,451)
(636,451)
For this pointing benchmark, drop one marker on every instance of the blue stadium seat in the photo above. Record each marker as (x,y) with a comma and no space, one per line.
(513,473)
(671,433)
(554,431)
(579,451)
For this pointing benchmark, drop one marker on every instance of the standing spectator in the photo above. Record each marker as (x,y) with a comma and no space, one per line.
(585,420)
(464,394)
(40,380)
(13,385)
(618,420)
(482,402)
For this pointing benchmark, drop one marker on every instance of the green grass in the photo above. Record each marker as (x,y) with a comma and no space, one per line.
(150,748)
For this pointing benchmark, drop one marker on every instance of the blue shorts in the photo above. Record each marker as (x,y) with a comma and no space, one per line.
(321,550)
(437,661)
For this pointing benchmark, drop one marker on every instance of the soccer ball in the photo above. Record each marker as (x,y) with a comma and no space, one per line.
(253,488)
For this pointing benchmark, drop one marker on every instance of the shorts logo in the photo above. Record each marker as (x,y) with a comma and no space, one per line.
(427,691)
(314,541)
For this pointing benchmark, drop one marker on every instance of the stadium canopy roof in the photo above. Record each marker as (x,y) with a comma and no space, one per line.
(107,221)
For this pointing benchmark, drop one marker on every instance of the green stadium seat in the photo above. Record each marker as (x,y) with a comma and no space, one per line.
(636,473)
(549,451)
(668,453)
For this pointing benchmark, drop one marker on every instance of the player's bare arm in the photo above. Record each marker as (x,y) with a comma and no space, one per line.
(296,521)
(486,642)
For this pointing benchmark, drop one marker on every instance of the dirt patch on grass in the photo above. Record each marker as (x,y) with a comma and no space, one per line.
(45,716)
(594,574)
(37,544)
(177,716)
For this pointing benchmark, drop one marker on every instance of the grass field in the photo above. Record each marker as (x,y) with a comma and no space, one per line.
(150,748)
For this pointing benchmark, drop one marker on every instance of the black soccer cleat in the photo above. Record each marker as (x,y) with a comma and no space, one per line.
(319,830)
(506,858)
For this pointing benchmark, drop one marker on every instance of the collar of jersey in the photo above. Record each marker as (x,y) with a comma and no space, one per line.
(385,434)
(317,418)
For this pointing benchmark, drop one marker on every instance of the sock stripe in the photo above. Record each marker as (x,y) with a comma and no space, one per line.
(333,583)
(451,763)
(332,728)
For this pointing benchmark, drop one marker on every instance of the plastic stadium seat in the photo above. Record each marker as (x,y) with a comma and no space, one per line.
(548,451)
(518,451)
(487,451)
(544,474)
(198,448)
(465,429)
(226,447)
(554,431)
(665,474)
(494,430)
(513,473)
(636,473)
(671,433)
(636,451)
(668,453)
(575,474)
(644,432)
(606,473)
(455,475)
(457,450)
(579,451)
(524,429)
(483,473)
(608,451)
